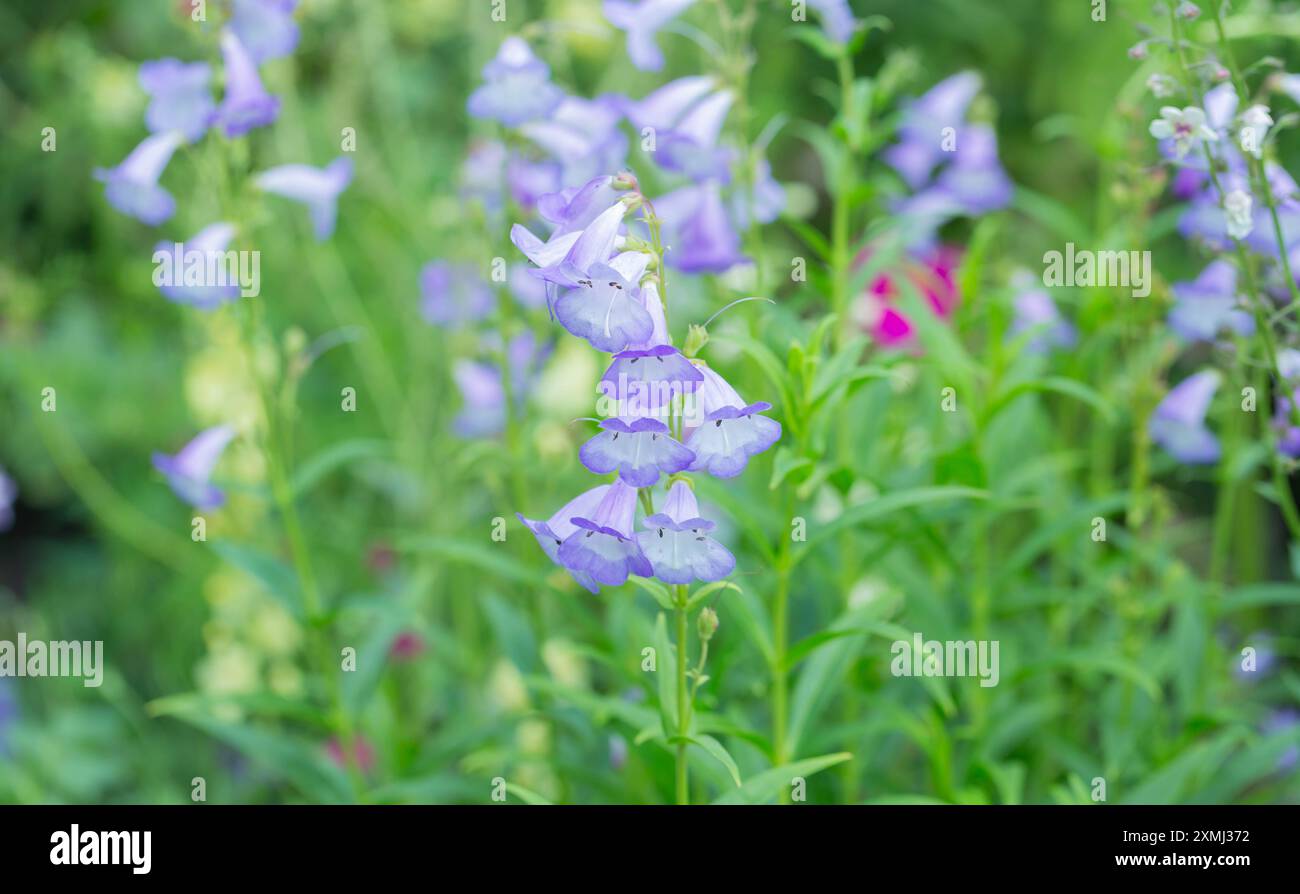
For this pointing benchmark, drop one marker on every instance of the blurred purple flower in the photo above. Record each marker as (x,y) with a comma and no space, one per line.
(189,470)
(723,431)
(265,27)
(836,18)
(1208,306)
(517,87)
(642,22)
(454,295)
(583,138)
(180,98)
(602,544)
(246,105)
(482,397)
(1036,313)
(676,542)
(132,187)
(697,229)
(1283,720)
(203,296)
(686,117)
(527,289)
(8,495)
(921,134)
(554,531)
(1178,423)
(317,188)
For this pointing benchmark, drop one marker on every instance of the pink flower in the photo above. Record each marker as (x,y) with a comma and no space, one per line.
(406,646)
(363,755)
(932,275)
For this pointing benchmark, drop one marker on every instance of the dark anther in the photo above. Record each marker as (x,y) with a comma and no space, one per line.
(718,424)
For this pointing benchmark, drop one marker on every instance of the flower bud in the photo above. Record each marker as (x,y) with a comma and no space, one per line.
(707,624)
(696,338)
(625,180)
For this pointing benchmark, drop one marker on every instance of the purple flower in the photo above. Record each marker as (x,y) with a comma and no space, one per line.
(246,104)
(645,381)
(527,289)
(481,173)
(317,188)
(654,306)
(639,451)
(642,22)
(1283,720)
(1208,305)
(565,259)
(677,544)
(687,116)
(921,134)
(454,294)
(265,27)
(582,136)
(1036,313)
(605,306)
(529,180)
(202,295)
(179,97)
(8,494)
(573,210)
(132,187)
(602,545)
(1178,423)
(189,470)
(8,713)
(552,533)
(723,431)
(837,19)
(483,398)
(663,108)
(517,87)
(766,201)
(698,231)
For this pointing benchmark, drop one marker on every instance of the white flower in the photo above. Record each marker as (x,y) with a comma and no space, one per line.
(1255,122)
(1237,205)
(1186,127)
(1161,85)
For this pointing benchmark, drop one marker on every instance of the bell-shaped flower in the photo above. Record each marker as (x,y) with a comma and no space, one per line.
(603,545)
(691,146)
(698,231)
(180,98)
(576,209)
(645,381)
(583,137)
(454,295)
(265,27)
(642,21)
(605,308)
(677,542)
(566,259)
(639,451)
(202,246)
(189,471)
(1178,422)
(1208,306)
(1186,127)
(723,431)
(516,88)
(926,122)
(132,187)
(246,104)
(317,188)
(552,533)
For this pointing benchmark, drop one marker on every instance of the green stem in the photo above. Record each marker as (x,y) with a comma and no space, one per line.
(683,698)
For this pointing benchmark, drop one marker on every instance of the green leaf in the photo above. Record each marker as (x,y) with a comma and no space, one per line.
(1259,595)
(886,505)
(714,747)
(656,590)
(315,469)
(527,795)
(708,590)
(768,785)
(277,578)
(1056,385)
(496,561)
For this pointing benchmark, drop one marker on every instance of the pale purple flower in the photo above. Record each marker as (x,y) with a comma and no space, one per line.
(180,98)
(645,381)
(605,306)
(481,174)
(246,105)
(1283,720)
(189,471)
(483,399)
(723,431)
(603,545)
(202,295)
(922,131)
(529,179)
(454,295)
(566,259)
(837,19)
(1208,305)
(1036,313)
(697,230)
(265,27)
(639,450)
(642,22)
(1187,127)
(317,188)
(1178,423)
(766,200)
(552,533)
(583,138)
(571,210)
(677,542)
(527,289)
(132,187)
(686,117)
(516,88)
(8,494)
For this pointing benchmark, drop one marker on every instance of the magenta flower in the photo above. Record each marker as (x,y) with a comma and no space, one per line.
(677,542)
(317,188)
(602,544)
(642,22)
(246,105)
(203,296)
(1178,423)
(265,27)
(517,87)
(552,533)
(638,450)
(723,431)
(180,99)
(132,187)
(189,470)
